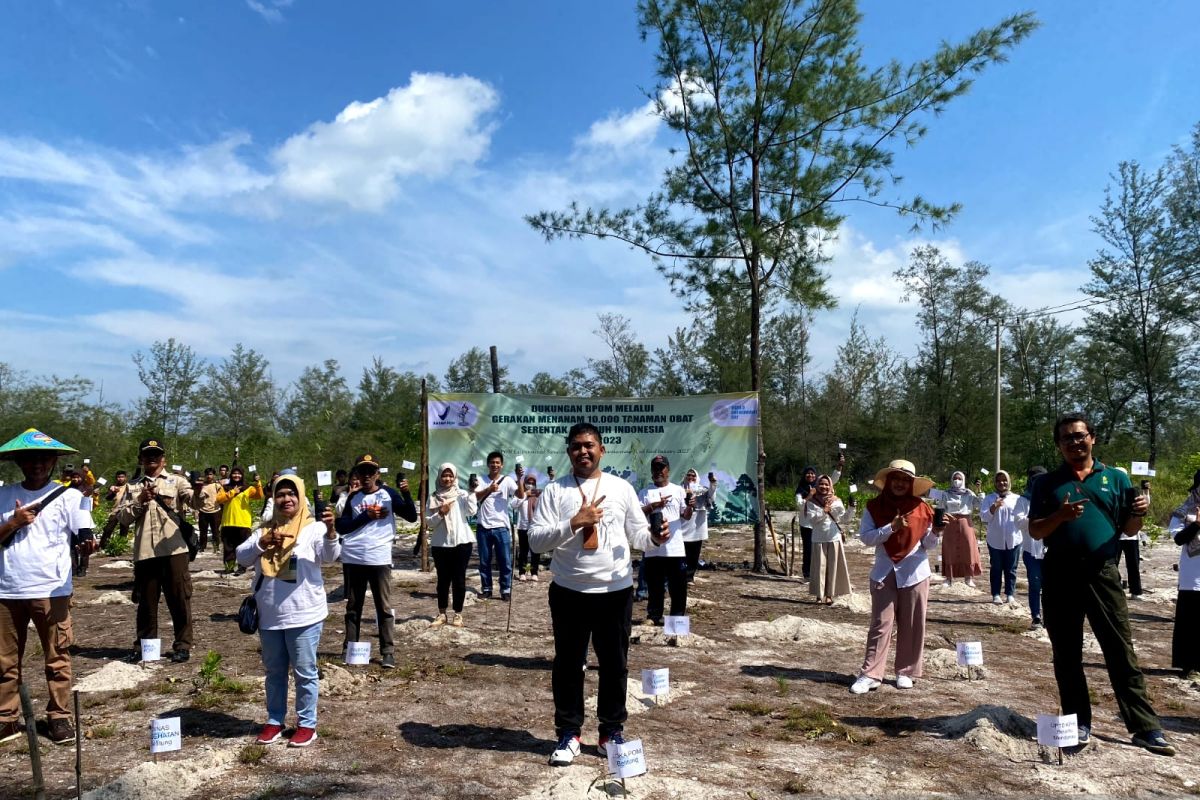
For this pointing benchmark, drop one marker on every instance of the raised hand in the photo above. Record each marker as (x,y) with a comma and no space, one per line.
(23,515)
(588,515)
(444,509)
(327,518)
(1071,509)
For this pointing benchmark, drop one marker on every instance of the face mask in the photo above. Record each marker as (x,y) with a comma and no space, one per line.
(957,483)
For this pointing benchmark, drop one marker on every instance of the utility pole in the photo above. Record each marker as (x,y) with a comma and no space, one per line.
(495,371)
(997,469)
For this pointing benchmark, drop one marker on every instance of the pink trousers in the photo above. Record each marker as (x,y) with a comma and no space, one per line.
(906,608)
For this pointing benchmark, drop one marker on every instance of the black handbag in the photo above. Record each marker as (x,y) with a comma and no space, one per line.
(247,615)
(186,528)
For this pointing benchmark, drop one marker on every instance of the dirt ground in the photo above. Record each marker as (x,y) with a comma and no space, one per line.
(758,707)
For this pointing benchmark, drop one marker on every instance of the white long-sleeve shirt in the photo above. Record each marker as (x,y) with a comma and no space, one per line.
(452,529)
(1189,566)
(1003,532)
(824,526)
(956,505)
(607,568)
(1035,547)
(834,476)
(912,569)
(296,598)
(672,512)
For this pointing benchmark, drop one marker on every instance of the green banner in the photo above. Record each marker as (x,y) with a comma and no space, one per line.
(714,433)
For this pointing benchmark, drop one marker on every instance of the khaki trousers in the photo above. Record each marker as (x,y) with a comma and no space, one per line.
(905,609)
(51,619)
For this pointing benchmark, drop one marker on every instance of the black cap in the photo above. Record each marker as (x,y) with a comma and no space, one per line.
(151,446)
(659,461)
(366,460)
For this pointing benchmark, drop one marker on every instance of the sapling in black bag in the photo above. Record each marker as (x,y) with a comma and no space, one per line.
(248,613)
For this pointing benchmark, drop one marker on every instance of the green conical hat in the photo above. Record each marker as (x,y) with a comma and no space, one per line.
(33,440)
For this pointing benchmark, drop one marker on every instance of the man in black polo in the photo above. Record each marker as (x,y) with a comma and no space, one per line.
(1080,510)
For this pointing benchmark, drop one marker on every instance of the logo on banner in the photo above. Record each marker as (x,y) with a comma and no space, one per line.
(452,414)
(740,413)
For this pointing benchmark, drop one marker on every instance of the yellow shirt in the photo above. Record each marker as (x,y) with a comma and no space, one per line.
(237,505)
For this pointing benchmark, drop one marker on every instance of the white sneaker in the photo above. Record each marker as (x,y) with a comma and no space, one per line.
(1012,601)
(948,582)
(971,583)
(864,684)
(564,754)
(996,600)
(904,682)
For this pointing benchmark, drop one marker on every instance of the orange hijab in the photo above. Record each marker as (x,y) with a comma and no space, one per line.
(884,508)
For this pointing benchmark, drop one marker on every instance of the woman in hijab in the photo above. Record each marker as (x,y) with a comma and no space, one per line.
(700,499)
(1184,526)
(450,539)
(287,554)
(823,513)
(960,549)
(527,560)
(900,526)
(805,490)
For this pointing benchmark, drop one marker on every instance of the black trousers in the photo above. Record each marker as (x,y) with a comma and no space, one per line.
(1133,564)
(1072,590)
(231,540)
(692,557)
(154,578)
(806,550)
(669,572)
(1185,644)
(356,578)
(525,555)
(603,618)
(209,521)
(451,566)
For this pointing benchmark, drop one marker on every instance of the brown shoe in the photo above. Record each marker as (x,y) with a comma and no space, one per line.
(9,731)
(59,731)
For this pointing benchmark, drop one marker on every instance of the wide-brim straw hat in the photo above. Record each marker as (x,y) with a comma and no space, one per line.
(33,441)
(920,485)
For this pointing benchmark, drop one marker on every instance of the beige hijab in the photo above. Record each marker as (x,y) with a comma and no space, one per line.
(275,558)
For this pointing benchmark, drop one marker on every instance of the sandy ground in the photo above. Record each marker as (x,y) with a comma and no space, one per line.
(758,706)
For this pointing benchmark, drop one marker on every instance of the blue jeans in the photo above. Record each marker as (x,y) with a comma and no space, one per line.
(1004,561)
(1033,571)
(499,541)
(297,648)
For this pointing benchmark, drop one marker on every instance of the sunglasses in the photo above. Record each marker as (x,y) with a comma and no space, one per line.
(1074,438)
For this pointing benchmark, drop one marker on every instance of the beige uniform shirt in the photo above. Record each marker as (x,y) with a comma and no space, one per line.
(206,499)
(155,535)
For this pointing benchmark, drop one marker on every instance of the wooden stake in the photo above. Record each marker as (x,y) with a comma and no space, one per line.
(423,489)
(78,751)
(35,755)
(512,589)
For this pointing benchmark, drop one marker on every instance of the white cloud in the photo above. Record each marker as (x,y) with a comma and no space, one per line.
(618,131)
(427,129)
(270,10)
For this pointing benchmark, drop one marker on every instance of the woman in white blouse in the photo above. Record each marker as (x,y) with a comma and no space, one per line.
(450,540)
(1184,526)
(960,550)
(823,512)
(1003,517)
(287,554)
(900,527)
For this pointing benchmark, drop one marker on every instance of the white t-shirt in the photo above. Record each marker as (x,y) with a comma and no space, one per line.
(676,498)
(371,544)
(1189,566)
(295,598)
(37,562)
(493,509)
(607,568)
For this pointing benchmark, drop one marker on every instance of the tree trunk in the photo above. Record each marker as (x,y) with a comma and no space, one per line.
(755,385)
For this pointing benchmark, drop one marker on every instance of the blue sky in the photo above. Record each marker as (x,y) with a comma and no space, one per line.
(346,180)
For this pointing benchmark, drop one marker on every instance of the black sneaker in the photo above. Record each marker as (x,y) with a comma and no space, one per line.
(59,731)
(9,731)
(1085,739)
(506,596)
(485,595)
(1155,742)
(388,662)
(180,656)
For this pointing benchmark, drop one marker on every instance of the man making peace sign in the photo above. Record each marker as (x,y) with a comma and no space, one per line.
(589,520)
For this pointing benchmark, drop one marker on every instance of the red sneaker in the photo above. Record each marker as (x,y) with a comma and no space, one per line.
(269,734)
(303,737)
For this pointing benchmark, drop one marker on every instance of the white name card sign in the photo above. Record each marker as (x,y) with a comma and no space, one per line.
(983,471)
(176,468)
(407,465)
(854,488)
(358,653)
(1139,468)
(970,654)
(656,682)
(841,445)
(383,470)
(1056,731)
(151,649)
(677,626)
(325,477)
(477,462)
(627,760)
(102,481)
(252,468)
(165,735)
(520,458)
